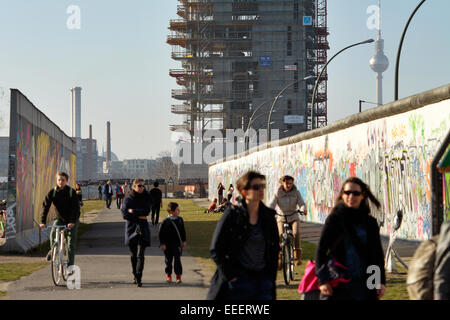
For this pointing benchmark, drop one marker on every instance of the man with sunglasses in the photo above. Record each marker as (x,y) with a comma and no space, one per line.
(135,211)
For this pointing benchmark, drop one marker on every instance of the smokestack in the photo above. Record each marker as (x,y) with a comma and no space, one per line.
(75,112)
(108,141)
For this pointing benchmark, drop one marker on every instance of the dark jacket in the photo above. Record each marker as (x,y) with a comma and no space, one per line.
(340,227)
(66,204)
(107,192)
(231,232)
(156,195)
(168,235)
(135,227)
(442,265)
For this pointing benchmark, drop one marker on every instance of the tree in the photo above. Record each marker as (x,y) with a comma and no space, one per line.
(165,168)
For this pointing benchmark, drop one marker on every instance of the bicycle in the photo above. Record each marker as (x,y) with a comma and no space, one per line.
(287,249)
(59,254)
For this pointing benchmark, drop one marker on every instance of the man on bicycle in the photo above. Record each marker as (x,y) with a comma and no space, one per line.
(288,198)
(67,208)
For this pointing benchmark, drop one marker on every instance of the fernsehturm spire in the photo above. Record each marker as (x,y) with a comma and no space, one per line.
(379,62)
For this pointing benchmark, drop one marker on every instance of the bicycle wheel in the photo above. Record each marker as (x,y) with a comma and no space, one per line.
(56,265)
(64,259)
(286,263)
(291,260)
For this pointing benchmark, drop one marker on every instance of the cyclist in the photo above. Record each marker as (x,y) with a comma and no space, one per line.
(288,198)
(67,211)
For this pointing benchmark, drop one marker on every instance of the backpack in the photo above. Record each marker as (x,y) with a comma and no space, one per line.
(421,271)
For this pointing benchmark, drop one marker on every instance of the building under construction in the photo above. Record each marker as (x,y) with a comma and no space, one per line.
(237,55)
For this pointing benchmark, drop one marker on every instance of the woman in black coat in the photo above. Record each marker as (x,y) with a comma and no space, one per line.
(245,246)
(135,210)
(353,238)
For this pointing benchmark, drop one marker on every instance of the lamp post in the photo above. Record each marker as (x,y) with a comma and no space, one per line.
(276,99)
(361,101)
(397,64)
(320,75)
(247,138)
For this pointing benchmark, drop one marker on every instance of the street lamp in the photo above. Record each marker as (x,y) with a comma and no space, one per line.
(397,64)
(361,101)
(320,75)
(276,99)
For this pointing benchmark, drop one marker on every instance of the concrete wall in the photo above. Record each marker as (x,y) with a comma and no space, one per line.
(37,150)
(389,147)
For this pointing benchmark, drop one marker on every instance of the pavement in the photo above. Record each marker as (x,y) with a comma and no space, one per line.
(105,267)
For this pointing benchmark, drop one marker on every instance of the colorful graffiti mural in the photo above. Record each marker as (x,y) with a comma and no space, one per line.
(35,157)
(392,155)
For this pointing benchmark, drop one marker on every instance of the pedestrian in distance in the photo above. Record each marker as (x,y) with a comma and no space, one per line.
(220,189)
(212,206)
(108,193)
(135,210)
(67,209)
(245,246)
(79,194)
(126,190)
(230,193)
(172,238)
(99,192)
(222,206)
(352,236)
(288,199)
(156,195)
(119,195)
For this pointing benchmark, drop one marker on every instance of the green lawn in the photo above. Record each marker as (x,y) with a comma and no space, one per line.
(200,227)
(14,271)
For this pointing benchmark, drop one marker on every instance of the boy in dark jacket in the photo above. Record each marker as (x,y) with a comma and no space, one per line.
(172,237)
(67,206)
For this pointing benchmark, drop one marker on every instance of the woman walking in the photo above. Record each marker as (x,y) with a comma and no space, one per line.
(352,236)
(220,189)
(135,210)
(288,198)
(245,246)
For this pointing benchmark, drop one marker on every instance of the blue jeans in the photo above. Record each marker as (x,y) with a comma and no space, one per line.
(254,286)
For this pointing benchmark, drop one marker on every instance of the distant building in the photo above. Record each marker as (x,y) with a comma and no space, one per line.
(142,168)
(87,167)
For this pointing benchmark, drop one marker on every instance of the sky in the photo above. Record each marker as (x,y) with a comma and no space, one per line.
(120,58)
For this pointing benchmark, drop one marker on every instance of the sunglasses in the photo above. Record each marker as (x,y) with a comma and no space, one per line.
(140,185)
(355,193)
(257,187)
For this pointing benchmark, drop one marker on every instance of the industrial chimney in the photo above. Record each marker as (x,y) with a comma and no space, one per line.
(108,141)
(75,112)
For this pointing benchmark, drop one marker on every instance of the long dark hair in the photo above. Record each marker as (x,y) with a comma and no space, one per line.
(367,193)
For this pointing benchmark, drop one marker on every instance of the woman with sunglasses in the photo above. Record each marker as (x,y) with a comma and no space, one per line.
(352,237)
(135,211)
(245,246)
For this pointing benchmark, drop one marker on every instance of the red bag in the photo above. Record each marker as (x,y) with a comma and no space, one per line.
(310,281)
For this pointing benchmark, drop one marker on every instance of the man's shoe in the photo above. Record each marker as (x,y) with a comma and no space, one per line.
(139,283)
(178,278)
(49,255)
(168,278)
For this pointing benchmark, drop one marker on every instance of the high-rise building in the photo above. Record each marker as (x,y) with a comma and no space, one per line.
(75,112)
(238,55)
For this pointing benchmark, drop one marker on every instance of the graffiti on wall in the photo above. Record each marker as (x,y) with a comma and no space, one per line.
(392,155)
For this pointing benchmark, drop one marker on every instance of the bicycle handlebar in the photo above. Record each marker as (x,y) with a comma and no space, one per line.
(303,213)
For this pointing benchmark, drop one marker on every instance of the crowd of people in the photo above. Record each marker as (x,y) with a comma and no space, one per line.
(245,245)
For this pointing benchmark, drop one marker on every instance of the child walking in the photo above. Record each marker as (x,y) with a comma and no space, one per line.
(172,238)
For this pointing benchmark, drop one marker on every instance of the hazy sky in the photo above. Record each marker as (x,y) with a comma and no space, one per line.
(120,58)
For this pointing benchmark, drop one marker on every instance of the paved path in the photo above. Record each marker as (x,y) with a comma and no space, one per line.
(106,270)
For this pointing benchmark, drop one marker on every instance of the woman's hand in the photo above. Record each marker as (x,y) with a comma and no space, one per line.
(143,217)
(326,289)
(130,210)
(381,291)
(163,248)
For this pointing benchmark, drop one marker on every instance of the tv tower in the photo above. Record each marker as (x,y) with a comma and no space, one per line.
(379,62)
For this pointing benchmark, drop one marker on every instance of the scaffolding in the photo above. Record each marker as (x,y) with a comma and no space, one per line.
(221,45)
